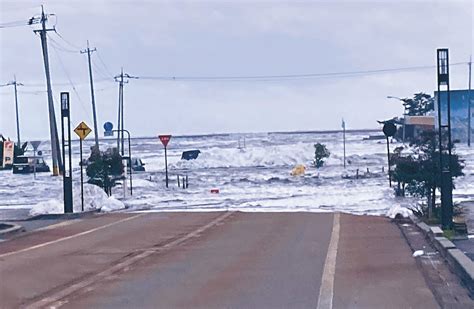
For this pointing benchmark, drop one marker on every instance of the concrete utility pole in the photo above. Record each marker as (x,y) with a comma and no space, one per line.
(122,79)
(469,111)
(55,150)
(15,84)
(96,132)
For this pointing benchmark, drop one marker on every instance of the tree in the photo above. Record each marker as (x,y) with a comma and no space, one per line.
(420,105)
(320,153)
(418,173)
(104,169)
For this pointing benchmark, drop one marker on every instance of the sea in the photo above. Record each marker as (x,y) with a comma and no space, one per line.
(244,172)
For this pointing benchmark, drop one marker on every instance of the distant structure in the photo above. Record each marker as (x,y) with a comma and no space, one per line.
(416,125)
(459,113)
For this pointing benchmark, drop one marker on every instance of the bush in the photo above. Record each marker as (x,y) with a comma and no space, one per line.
(418,173)
(320,153)
(104,169)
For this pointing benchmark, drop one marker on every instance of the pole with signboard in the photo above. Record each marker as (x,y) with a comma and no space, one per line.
(8,153)
(165,140)
(82,130)
(445,142)
(66,143)
(109,131)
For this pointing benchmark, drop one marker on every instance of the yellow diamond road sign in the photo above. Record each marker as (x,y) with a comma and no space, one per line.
(82,130)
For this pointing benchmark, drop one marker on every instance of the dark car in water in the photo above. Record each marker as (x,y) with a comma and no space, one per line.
(26,165)
(137,165)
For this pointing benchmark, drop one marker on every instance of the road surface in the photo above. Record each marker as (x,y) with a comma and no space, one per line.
(213,260)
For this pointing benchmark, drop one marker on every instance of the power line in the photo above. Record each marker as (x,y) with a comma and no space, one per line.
(291,76)
(70,81)
(66,41)
(19,23)
(36,85)
(59,47)
(100,71)
(105,66)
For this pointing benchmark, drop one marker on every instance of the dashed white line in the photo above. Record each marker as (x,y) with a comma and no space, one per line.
(69,237)
(326,291)
(59,298)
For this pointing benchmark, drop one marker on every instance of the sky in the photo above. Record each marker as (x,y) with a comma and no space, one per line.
(231,39)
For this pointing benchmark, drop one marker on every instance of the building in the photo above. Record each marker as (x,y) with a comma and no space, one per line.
(459,113)
(416,125)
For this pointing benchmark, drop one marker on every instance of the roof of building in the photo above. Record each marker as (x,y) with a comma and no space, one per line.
(420,120)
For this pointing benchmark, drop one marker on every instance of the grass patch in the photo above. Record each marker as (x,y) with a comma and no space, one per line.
(449,234)
(431,221)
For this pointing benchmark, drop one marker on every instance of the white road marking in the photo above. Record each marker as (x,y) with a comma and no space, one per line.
(69,237)
(53,226)
(326,291)
(57,299)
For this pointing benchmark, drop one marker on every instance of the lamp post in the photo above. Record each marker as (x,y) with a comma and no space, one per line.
(404,114)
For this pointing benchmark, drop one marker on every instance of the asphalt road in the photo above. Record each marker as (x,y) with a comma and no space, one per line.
(213,260)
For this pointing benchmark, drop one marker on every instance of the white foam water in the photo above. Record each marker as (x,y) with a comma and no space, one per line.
(254,178)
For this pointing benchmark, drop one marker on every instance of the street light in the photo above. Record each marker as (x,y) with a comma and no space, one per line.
(404,114)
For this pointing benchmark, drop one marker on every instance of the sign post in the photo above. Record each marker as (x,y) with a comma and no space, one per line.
(108,127)
(66,143)
(35,145)
(109,131)
(8,153)
(165,140)
(82,130)
(389,129)
(445,142)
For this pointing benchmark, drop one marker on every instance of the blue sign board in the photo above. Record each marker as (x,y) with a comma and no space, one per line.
(108,126)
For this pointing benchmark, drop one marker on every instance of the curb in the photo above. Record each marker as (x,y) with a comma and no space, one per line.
(459,263)
(13,228)
(68,216)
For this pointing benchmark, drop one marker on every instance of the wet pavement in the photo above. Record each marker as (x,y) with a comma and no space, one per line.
(214,260)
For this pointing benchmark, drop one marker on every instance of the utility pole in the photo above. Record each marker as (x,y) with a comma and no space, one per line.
(53,129)
(122,79)
(344,140)
(469,112)
(96,132)
(15,84)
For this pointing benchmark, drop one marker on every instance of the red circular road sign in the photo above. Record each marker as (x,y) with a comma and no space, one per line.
(165,139)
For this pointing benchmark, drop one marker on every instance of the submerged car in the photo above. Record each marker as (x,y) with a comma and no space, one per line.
(190,154)
(26,165)
(138,165)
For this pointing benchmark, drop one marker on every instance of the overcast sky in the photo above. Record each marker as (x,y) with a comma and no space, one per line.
(230,38)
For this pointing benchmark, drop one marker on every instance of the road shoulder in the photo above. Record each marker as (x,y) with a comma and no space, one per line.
(375,267)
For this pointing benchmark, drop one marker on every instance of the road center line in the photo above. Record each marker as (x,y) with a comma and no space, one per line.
(57,299)
(70,237)
(326,291)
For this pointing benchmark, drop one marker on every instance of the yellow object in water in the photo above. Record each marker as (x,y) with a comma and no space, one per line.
(298,170)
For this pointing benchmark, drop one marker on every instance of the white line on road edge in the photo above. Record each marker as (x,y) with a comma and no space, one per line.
(69,237)
(326,291)
(60,224)
(58,299)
